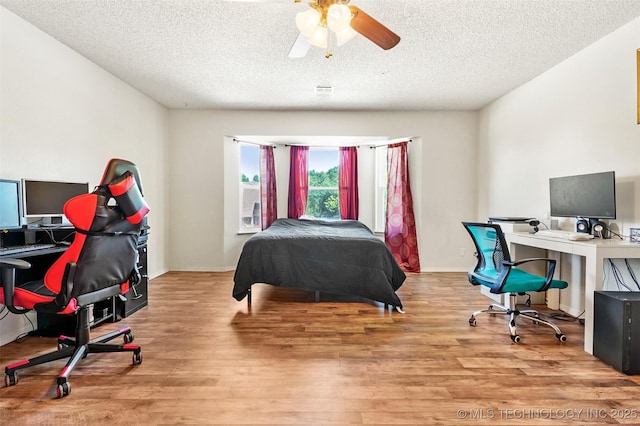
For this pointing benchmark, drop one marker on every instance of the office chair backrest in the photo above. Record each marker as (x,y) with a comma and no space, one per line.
(116,168)
(491,247)
(103,253)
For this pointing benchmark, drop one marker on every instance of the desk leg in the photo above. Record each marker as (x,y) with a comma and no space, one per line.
(592,283)
(553,299)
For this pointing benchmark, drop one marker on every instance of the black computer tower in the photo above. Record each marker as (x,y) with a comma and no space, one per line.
(616,329)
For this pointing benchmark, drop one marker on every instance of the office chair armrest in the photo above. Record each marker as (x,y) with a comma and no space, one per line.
(64,295)
(531,259)
(551,268)
(8,281)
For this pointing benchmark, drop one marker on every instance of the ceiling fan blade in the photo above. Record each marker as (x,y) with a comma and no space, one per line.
(372,29)
(300,47)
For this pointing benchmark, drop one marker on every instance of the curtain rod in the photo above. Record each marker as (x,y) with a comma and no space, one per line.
(254,143)
(275,145)
(320,146)
(391,143)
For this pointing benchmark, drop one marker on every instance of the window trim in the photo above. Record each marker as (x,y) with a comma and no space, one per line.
(380,201)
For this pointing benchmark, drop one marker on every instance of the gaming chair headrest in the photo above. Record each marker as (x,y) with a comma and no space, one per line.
(129,197)
(121,180)
(117,167)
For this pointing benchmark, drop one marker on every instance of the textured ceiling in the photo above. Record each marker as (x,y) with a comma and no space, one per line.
(215,54)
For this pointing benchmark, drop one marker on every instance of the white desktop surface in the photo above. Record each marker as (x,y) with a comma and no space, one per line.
(594,251)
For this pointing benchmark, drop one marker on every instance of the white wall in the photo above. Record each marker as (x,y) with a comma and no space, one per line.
(204,206)
(62,118)
(579,117)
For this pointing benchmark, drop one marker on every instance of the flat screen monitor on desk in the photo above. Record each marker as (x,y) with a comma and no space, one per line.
(590,197)
(10,204)
(47,198)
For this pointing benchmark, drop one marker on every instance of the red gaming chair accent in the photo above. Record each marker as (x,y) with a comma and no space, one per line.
(100,263)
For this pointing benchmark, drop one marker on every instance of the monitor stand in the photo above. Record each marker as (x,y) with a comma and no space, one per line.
(52,221)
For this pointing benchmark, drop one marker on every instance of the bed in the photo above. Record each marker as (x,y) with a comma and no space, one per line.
(336,257)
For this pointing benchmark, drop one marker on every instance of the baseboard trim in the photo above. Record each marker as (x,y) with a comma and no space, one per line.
(205,269)
(233,268)
(571,310)
(445,269)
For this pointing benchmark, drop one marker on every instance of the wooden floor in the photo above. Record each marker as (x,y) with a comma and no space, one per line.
(208,359)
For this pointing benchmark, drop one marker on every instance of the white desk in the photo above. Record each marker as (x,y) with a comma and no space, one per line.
(594,251)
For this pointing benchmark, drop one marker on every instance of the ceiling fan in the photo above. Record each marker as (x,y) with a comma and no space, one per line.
(333,22)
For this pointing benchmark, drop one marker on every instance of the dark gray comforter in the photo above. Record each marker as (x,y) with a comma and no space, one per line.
(341,257)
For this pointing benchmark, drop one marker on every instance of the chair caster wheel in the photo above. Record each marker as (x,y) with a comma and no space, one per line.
(137,358)
(562,337)
(63,389)
(515,339)
(127,337)
(11,379)
(472,321)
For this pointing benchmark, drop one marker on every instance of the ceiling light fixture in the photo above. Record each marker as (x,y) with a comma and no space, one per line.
(325,15)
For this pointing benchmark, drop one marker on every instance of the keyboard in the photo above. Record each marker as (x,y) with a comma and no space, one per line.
(22,249)
(508,219)
(564,235)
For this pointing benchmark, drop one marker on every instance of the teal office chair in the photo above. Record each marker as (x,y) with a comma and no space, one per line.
(495,269)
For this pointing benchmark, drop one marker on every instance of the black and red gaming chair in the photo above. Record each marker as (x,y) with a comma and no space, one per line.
(100,263)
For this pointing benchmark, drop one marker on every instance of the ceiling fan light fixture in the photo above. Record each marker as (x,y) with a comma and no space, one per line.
(338,17)
(307,22)
(325,17)
(319,37)
(345,35)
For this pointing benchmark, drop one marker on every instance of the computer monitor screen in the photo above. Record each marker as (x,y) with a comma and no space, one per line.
(591,196)
(47,198)
(10,204)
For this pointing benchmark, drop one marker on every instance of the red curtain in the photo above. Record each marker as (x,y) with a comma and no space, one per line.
(298,181)
(268,198)
(400,229)
(348,182)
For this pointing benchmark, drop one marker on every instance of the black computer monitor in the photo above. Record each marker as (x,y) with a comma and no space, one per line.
(591,196)
(47,198)
(10,204)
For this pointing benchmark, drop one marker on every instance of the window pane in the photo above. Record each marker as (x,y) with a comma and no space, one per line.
(323,203)
(323,199)
(250,187)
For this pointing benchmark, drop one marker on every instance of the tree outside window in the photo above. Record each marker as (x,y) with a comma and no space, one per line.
(323,200)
